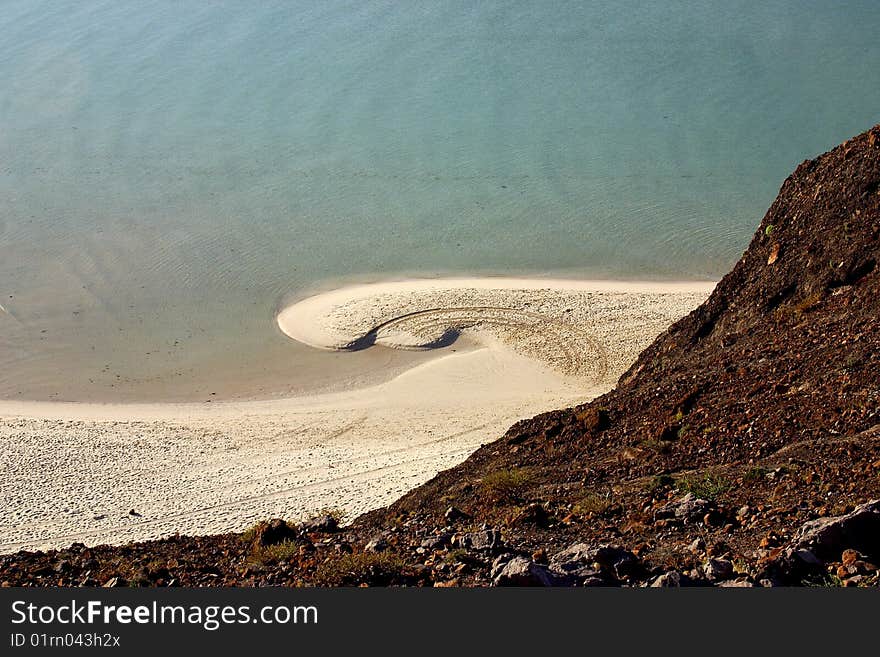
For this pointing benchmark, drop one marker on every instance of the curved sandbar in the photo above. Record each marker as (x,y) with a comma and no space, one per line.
(590,329)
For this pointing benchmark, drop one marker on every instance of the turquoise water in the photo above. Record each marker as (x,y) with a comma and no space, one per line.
(169,172)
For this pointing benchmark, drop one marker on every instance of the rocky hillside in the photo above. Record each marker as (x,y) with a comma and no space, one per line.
(742,448)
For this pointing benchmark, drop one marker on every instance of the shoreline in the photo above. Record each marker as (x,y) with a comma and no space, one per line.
(198,468)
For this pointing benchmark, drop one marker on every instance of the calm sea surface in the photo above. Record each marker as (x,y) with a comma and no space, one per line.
(171,171)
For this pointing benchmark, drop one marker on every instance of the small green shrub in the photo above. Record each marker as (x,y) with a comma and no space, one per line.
(507,483)
(250,534)
(360,568)
(458,556)
(822,580)
(268,554)
(755,473)
(593,505)
(708,487)
(660,482)
(658,446)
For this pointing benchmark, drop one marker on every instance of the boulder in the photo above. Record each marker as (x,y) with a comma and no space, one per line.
(737,584)
(594,581)
(717,570)
(672,579)
(435,542)
(520,571)
(324,524)
(452,514)
(376,544)
(807,557)
(486,539)
(582,560)
(827,538)
(689,508)
(271,532)
(499,563)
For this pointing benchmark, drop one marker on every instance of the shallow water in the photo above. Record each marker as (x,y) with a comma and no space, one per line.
(171,172)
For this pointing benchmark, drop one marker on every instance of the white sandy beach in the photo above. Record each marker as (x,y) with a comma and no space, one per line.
(505,349)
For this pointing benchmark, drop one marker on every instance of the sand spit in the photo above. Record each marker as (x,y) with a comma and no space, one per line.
(575,327)
(506,349)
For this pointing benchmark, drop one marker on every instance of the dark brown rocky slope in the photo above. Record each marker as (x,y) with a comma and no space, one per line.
(737,449)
